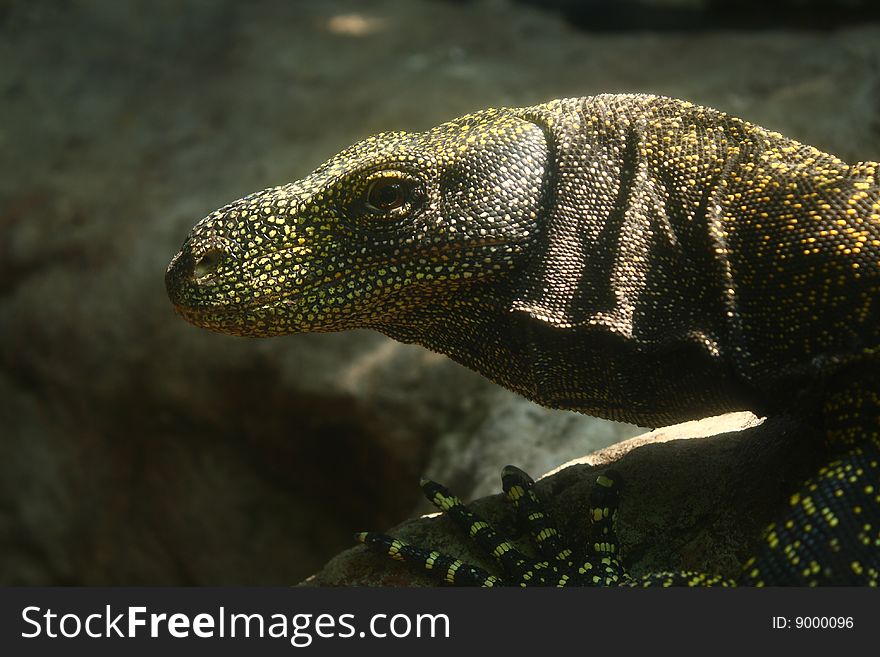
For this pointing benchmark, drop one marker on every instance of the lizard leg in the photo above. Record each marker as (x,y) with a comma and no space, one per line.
(600,561)
(441,566)
(603,567)
(831,533)
(558,565)
(445,567)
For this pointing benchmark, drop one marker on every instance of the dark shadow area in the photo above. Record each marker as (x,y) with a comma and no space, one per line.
(686,16)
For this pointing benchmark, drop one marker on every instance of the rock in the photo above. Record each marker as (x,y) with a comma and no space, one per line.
(695,496)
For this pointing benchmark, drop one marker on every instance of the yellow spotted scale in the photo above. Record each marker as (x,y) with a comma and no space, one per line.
(633,257)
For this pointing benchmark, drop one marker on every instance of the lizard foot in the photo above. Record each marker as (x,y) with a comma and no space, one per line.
(557,564)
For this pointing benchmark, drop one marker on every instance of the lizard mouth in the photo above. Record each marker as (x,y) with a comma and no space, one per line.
(182,281)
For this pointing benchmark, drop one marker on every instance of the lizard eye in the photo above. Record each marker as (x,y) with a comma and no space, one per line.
(386,194)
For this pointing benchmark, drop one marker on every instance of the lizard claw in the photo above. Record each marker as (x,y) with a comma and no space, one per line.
(557,564)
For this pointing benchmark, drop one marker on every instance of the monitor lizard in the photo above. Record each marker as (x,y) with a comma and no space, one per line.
(628,256)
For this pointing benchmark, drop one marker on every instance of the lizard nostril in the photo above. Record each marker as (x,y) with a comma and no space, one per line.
(208,263)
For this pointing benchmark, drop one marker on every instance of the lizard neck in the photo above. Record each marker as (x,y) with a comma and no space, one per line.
(468,326)
(566,367)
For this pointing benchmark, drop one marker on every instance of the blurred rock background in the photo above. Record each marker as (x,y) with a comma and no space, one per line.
(136,449)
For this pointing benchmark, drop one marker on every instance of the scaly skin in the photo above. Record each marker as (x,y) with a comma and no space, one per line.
(632,257)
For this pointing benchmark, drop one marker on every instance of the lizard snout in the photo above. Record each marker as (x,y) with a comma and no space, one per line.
(197,269)
(179,273)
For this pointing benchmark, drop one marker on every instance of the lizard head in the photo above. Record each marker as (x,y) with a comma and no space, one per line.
(398,223)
